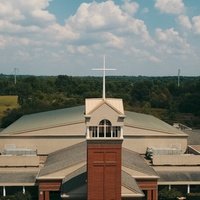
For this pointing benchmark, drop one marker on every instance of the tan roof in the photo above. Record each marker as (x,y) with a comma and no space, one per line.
(183,159)
(14,176)
(92,104)
(19,161)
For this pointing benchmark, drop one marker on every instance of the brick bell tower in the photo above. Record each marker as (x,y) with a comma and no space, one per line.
(104,120)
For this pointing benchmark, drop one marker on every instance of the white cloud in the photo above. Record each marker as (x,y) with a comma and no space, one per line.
(14,41)
(93,20)
(94,16)
(60,33)
(95,28)
(28,31)
(24,11)
(139,28)
(94,23)
(43,14)
(143,54)
(171,42)
(130,7)
(185,21)
(9,11)
(170,6)
(113,40)
(196,24)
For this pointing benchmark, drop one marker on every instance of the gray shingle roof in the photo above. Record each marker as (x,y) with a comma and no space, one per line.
(76,154)
(18,177)
(174,176)
(64,158)
(133,160)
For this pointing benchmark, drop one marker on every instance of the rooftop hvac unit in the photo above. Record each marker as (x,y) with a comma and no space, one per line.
(12,150)
(150,152)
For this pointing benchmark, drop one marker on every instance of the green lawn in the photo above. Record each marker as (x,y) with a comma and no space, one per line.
(7,102)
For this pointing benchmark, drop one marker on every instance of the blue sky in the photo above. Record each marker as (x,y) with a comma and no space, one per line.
(138,37)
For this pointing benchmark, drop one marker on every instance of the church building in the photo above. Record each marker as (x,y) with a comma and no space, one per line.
(97,151)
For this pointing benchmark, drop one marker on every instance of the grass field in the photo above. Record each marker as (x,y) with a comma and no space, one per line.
(7,102)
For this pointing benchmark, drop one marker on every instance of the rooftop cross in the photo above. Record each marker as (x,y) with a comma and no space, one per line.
(104,69)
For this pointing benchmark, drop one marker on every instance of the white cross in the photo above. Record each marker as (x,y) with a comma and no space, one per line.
(104,69)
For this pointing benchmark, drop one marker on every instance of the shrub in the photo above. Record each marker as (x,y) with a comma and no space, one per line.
(166,194)
(17,196)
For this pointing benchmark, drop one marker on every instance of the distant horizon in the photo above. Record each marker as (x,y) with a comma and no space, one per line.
(99,76)
(138,37)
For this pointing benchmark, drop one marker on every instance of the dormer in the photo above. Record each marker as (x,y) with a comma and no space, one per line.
(104,118)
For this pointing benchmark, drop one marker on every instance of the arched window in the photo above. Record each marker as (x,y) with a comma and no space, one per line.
(105,128)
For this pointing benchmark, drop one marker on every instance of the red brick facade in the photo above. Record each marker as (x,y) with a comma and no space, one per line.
(150,186)
(104,170)
(45,186)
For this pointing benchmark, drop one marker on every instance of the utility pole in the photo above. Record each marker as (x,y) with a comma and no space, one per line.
(179,72)
(15,75)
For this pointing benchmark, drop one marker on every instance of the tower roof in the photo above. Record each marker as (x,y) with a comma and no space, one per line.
(92,104)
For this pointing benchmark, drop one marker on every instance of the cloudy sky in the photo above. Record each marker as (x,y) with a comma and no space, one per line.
(138,37)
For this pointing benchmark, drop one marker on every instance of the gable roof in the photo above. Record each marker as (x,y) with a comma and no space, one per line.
(94,103)
(75,154)
(64,158)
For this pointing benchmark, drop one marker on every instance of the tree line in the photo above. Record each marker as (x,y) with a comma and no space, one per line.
(160,96)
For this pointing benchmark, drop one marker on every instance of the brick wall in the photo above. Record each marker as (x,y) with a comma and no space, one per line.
(104,171)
